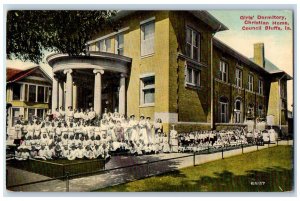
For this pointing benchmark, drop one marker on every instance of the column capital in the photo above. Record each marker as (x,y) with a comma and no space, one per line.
(98,71)
(68,71)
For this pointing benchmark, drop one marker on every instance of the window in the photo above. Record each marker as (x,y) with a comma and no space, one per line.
(239,78)
(15,115)
(250,82)
(26,92)
(46,99)
(41,94)
(32,93)
(148,90)
(223,71)
(31,114)
(192,44)
(16,91)
(193,76)
(238,111)
(105,45)
(40,113)
(260,87)
(223,110)
(119,44)
(147,38)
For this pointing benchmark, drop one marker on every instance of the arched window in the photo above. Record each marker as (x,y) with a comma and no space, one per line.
(223,110)
(238,111)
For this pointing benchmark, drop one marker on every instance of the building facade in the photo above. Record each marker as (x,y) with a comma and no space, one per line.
(28,94)
(168,65)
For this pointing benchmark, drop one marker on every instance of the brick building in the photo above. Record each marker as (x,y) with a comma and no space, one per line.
(168,65)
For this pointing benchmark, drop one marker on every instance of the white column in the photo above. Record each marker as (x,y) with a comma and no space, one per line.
(98,91)
(74,95)
(122,95)
(60,94)
(54,93)
(69,88)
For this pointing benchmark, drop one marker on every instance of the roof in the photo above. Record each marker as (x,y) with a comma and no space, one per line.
(203,15)
(14,75)
(273,69)
(237,55)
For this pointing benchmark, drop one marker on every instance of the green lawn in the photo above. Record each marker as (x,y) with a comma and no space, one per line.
(272,166)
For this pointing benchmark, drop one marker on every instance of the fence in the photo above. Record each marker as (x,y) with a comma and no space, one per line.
(154,167)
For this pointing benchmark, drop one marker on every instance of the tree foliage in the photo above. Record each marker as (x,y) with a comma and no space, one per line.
(31,33)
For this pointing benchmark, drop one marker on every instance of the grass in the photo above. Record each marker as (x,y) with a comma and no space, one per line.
(273,166)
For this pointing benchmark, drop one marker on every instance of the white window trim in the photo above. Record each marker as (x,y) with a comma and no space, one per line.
(147,22)
(222,68)
(240,85)
(104,45)
(11,116)
(117,44)
(250,82)
(193,45)
(193,83)
(223,113)
(142,88)
(21,92)
(260,87)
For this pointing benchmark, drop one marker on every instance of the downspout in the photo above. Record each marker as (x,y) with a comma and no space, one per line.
(212,80)
(279,99)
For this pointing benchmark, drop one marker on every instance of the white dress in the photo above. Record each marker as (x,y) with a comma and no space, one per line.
(143,132)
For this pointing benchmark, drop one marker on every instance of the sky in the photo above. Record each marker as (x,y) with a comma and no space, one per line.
(278,44)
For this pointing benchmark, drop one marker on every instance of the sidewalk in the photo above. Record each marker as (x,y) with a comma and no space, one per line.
(119,176)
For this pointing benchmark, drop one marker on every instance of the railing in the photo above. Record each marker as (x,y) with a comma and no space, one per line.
(68,176)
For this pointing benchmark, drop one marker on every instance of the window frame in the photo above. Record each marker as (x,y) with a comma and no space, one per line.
(223,74)
(260,86)
(194,82)
(20,92)
(192,45)
(144,88)
(117,44)
(143,51)
(12,114)
(250,82)
(225,113)
(238,114)
(104,41)
(239,80)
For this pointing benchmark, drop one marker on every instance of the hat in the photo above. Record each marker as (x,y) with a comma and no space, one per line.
(142,115)
(132,115)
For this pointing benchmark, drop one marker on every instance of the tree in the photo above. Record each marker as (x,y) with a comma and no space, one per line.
(31,33)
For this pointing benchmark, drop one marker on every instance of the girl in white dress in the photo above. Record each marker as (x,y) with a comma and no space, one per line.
(166,146)
(143,130)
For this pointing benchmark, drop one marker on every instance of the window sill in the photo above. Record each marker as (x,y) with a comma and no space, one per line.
(146,56)
(192,86)
(147,105)
(193,61)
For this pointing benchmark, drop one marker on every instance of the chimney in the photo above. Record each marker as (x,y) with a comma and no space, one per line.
(259,54)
